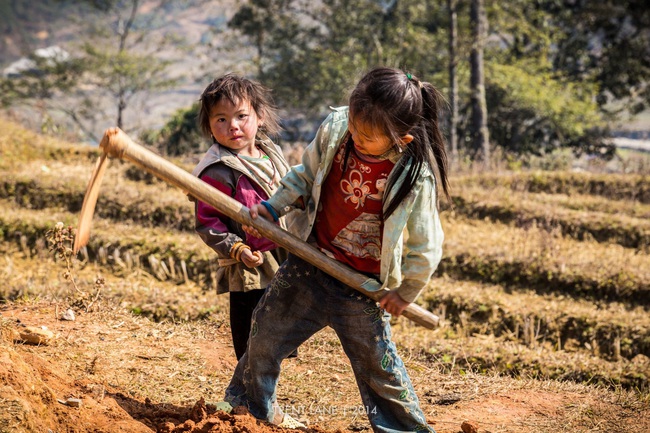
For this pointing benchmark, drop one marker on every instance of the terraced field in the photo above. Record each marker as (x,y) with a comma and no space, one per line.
(544,275)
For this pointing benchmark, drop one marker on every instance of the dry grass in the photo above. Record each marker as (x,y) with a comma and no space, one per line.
(41,184)
(19,146)
(546,261)
(555,202)
(613,186)
(140,239)
(611,331)
(582,217)
(476,249)
(464,345)
(453,352)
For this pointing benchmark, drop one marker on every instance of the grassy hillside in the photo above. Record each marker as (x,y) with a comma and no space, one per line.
(544,289)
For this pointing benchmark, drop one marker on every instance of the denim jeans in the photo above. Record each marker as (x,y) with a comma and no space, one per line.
(302,300)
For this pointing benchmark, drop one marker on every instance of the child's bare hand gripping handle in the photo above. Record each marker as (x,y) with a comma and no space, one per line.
(255,211)
(252,259)
(393,303)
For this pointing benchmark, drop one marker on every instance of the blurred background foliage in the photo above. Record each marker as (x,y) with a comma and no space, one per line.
(558,73)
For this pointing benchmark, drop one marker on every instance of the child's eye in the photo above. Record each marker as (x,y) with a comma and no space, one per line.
(243,116)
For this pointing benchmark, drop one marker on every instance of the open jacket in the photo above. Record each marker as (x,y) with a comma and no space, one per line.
(406,266)
(224,171)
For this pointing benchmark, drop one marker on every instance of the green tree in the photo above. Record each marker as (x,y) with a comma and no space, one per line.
(536,107)
(453,78)
(258,20)
(122,58)
(180,135)
(312,53)
(45,79)
(532,111)
(479,122)
(605,42)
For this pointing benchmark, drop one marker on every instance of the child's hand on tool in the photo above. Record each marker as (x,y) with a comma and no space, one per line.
(252,259)
(393,303)
(255,211)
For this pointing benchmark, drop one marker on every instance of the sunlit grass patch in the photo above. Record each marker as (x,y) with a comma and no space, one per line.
(611,185)
(608,330)
(582,216)
(547,262)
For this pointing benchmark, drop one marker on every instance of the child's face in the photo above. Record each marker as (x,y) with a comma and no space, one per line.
(368,141)
(235,125)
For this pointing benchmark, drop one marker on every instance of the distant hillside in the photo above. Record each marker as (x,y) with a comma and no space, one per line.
(26,27)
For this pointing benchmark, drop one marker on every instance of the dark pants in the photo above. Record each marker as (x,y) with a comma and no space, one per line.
(242,305)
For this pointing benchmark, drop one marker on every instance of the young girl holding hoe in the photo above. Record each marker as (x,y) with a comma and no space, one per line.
(237,113)
(370,174)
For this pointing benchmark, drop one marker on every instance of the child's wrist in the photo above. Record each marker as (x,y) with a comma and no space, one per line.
(272,211)
(237,249)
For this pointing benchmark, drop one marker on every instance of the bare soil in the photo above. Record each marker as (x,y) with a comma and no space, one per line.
(37,381)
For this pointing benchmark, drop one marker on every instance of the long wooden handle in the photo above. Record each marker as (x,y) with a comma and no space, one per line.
(118,144)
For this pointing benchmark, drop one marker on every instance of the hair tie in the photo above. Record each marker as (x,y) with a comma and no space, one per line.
(415,80)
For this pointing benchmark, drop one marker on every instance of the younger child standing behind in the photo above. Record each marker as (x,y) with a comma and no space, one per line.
(237,113)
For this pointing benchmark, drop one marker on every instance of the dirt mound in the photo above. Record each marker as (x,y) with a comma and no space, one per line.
(35,397)
(203,418)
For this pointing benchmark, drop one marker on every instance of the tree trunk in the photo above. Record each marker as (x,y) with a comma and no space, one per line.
(479,129)
(453,80)
(125,28)
(124,34)
(121,106)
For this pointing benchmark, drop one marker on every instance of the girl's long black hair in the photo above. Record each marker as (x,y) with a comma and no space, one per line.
(398,103)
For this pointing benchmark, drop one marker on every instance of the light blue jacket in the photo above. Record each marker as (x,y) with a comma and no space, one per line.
(411,246)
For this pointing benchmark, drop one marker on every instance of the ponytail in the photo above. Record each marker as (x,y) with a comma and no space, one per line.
(431,101)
